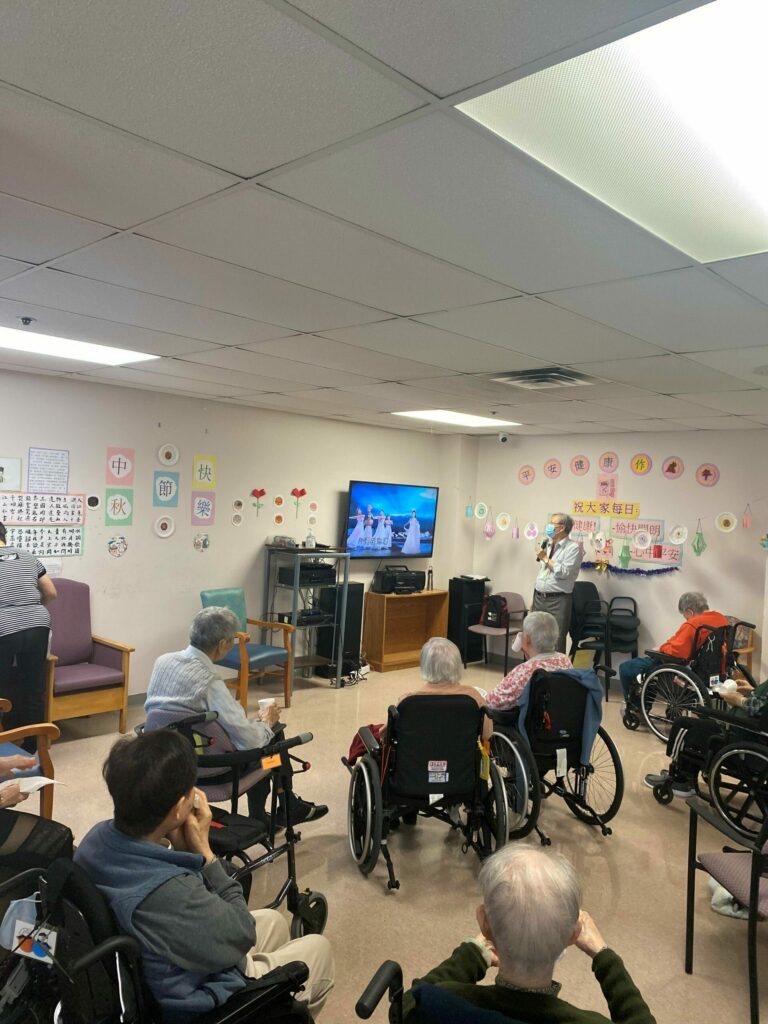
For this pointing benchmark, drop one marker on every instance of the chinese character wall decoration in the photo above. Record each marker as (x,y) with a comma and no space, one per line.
(118,506)
(203,508)
(165,491)
(120,466)
(204,473)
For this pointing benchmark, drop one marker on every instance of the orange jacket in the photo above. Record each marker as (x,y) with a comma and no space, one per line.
(681,644)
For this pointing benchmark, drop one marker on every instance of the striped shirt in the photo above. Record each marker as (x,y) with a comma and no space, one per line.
(20,606)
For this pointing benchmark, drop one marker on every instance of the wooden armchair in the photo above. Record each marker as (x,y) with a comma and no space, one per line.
(86,675)
(45,733)
(251,660)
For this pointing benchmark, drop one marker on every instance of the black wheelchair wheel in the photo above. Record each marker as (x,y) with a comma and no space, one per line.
(631,720)
(312,915)
(598,790)
(663,794)
(492,826)
(520,777)
(738,786)
(668,693)
(365,813)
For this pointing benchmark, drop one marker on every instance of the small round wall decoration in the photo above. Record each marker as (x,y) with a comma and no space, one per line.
(678,534)
(278,518)
(93,501)
(168,454)
(237,505)
(503,519)
(164,526)
(312,520)
(278,501)
(725,522)
(531,530)
(313,507)
(641,464)
(707,474)
(672,467)
(552,469)
(237,519)
(579,465)
(117,546)
(641,540)
(481,510)
(526,475)
(608,462)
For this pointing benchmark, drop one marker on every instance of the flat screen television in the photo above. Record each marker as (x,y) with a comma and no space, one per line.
(390,520)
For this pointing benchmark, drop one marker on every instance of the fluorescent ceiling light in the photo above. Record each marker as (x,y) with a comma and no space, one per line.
(663,126)
(458,419)
(65,348)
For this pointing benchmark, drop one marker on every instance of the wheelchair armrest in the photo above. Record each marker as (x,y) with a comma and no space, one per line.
(115,944)
(712,817)
(755,725)
(503,716)
(259,995)
(370,742)
(235,757)
(609,673)
(389,976)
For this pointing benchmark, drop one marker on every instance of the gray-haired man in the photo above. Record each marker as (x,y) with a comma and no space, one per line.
(559,560)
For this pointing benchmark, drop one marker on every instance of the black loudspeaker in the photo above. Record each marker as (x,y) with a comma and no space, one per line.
(330,602)
(465,604)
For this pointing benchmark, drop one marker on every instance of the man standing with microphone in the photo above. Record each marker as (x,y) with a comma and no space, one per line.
(559,560)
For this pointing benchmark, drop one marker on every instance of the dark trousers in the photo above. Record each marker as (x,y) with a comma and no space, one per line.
(558,605)
(688,744)
(22,678)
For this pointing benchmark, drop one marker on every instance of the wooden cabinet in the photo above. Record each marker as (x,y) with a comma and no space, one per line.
(396,627)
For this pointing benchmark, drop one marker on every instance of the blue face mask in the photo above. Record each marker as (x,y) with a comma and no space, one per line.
(549,529)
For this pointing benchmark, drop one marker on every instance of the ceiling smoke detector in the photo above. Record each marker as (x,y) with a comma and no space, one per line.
(546,377)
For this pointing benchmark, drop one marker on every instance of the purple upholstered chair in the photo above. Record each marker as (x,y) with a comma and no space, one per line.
(87,675)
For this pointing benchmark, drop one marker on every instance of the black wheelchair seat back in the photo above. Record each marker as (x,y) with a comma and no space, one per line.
(434,748)
(555,717)
(710,647)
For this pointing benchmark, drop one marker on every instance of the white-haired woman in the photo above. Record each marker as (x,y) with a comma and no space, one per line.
(538,640)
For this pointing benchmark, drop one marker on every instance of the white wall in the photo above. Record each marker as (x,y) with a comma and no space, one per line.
(148,597)
(731,572)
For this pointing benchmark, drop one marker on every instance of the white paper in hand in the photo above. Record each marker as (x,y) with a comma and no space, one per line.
(29,784)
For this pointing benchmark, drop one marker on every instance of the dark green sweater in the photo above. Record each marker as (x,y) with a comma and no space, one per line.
(466,966)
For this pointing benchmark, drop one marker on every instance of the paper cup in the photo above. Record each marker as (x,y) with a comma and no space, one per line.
(266,702)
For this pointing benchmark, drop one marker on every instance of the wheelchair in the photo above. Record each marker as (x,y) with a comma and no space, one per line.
(227,774)
(676,687)
(731,772)
(77,967)
(551,740)
(432,764)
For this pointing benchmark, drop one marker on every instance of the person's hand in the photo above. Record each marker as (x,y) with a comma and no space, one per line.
(743,686)
(197,825)
(176,838)
(589,940)
(270,715)
(7,764)
(481,940)
(12,795)
(733,698)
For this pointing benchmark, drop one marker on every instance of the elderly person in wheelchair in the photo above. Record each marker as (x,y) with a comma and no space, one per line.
(538,641)
(730,748)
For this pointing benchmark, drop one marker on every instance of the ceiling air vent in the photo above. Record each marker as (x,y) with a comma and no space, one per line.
(546,378)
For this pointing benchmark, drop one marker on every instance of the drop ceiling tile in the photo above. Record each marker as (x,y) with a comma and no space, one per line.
(446,45)
(560,412)
(718,422)
(657,406)
(468,384)
(35,233)
(70,163)
(137,385)
(760,418)
(750,273)
(260,230)
(100,332)
(411,339)
(165,382)
(246,383)
(654,426)
(400,397)
(238,85)
(683,311)
(59,290)
(748,364)
(329,400)
(536,430)
(33,363)
(535,327)
(742,403)
(478,204)
(10,267)
(173,273)
(668,375)
(580,427)
(338,356)
(257,363)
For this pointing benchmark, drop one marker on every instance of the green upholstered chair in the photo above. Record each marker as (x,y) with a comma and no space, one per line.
(251,660)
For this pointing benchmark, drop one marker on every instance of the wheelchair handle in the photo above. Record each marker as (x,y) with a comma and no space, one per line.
(389,976)
(281,745)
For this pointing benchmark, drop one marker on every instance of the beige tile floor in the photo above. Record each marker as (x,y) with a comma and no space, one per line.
(633,881)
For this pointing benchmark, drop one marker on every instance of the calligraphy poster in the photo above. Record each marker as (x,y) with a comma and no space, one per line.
(120,466)
(10,473)
(617,509)
(47,541)
(48,470)
(165,490)
(204,472)
(658,554)
(22,508)
(118,506)
(203,508)
(582,527)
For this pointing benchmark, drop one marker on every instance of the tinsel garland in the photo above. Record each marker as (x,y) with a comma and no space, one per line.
(616,570)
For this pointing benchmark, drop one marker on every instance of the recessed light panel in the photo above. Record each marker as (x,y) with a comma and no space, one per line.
(66,348)
(665,126)
(458,419)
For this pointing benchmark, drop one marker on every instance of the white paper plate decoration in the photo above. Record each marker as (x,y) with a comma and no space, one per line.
(168,454)
(237,519)
(678,534)
(237,505)
(503,519)
(312,520)
(641,539)
(164,526)
(726,522)
(531,531)
(93,501)
(481,510)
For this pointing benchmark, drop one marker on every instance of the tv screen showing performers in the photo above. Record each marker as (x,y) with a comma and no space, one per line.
(390,520)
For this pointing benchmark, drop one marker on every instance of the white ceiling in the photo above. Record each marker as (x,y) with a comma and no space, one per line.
(280,201)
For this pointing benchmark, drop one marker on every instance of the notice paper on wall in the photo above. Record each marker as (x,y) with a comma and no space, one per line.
(53,566)
(47,541)
(48,470)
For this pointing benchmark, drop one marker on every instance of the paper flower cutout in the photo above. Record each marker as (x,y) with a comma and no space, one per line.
(258,493)
(297,493)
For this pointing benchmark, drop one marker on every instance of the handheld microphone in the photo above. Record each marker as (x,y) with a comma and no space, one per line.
(544,544)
